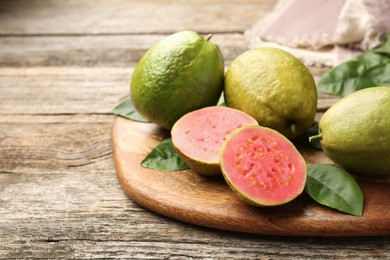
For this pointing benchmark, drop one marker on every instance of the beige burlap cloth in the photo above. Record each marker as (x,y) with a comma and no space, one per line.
(323,32)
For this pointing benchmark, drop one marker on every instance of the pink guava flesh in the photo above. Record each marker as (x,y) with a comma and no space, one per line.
(200,134)
(263,166)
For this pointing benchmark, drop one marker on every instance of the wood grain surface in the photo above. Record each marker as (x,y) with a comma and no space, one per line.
(210,202)
(64,65)
(129,17)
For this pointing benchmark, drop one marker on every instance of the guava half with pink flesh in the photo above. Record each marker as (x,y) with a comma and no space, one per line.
(198,136)
(262,166)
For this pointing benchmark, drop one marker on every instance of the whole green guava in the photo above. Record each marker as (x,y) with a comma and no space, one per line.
(355,131)
(181,73)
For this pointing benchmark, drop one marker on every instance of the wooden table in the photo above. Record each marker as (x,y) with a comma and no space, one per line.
(64,65)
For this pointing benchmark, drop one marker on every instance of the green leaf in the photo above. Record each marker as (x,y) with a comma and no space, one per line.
(221,101)
(332,186)
(366,70)
(164,158)
(304,138)
(384,48)
(126,109)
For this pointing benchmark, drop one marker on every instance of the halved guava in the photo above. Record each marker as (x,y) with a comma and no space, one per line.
(198,136)
(262,166)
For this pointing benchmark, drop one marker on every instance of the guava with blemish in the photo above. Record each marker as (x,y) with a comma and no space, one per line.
(262,166)
(198,136)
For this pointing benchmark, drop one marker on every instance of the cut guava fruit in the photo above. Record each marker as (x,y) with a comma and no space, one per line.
(198,136)
(262,166)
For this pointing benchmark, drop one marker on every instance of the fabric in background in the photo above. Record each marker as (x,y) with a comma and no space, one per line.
(323,32)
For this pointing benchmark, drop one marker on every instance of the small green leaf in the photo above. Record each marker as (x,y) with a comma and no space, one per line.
(304,138)
(366,70)
(221,101)
(332,186)
(126,109)
(384,48)
(164,158)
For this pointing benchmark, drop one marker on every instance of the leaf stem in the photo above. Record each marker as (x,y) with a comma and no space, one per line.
(315,138)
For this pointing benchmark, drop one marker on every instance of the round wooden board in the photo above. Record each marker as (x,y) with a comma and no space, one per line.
(187,196)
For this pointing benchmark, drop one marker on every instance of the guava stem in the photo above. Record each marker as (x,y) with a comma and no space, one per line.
(315,137)
(209,37)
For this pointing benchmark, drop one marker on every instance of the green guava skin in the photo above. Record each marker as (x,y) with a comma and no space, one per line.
(356,132)
(274,87)
(203,168)
(181,73)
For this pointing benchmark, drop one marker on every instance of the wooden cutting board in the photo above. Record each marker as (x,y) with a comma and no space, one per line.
(187,196)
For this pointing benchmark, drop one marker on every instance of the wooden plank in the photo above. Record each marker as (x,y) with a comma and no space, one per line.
(37,17)
(53,206)
(54,144)
(72,90)
(123,235)
(115,50)
(62,90)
